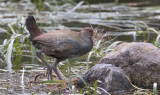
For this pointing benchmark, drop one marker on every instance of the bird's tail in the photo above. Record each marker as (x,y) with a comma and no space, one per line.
(32,27)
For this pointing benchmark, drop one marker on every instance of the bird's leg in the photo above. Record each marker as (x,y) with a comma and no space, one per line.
(56,70)
(49,67)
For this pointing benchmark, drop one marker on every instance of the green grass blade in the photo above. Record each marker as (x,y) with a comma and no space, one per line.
(82,90)
(12,30)
(80,78)
(88,59)
(154,88)
(103,90)
(157,39)
(98,44)
(9,55)
(110,47)
(95,87)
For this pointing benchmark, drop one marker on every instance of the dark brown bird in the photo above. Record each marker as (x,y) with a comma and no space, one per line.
(60,44)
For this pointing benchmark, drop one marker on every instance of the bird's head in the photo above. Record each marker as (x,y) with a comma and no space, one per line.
(87,32)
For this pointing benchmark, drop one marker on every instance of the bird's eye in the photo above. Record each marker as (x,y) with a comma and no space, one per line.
(90,30)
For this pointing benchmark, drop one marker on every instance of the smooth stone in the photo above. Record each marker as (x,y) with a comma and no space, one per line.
(112,78)
(139,60)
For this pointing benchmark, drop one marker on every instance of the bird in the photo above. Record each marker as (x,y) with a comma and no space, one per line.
(59,44)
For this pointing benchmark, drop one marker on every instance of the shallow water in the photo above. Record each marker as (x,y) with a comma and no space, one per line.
(118,22)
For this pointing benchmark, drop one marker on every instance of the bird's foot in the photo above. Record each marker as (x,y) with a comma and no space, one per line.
(35,79)
(49,73)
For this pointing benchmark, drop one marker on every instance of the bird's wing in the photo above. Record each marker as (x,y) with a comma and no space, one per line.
(58,46)
(57,41)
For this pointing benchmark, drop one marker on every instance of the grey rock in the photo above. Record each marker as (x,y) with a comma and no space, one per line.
(112,78)
(140,61)
(137,60)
